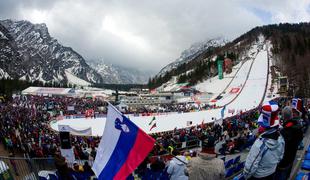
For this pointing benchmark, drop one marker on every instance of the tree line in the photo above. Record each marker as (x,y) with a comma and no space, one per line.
(290,50)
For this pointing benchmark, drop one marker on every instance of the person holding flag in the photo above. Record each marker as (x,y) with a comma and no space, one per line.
(122,148)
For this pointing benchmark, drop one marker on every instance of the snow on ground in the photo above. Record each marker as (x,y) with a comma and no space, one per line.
(4,74)
(272,87)
(2,36)
(75,80)
(249,97)
(215,85)
(163,122)
(171,85)
(237,82)
(254,89)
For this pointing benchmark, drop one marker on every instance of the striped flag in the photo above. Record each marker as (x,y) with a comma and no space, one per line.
(297,104)
(122,148)
(154,126)
(153,119)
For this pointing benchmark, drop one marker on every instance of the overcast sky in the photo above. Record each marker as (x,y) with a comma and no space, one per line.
(149,34)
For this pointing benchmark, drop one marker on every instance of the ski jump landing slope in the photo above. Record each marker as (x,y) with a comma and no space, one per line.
(252,93)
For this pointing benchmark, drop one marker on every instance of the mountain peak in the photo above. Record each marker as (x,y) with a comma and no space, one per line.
(119,75)
(43,58)
(38,56)
(193,51)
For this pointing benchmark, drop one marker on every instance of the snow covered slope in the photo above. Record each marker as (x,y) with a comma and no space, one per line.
(75,80)
(189,54)
(243,74)
(254,88)
(44,58)
(252,94)
(119,75)
(30,53)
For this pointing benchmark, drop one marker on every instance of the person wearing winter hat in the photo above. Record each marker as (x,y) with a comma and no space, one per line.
(268,148)
(293,135)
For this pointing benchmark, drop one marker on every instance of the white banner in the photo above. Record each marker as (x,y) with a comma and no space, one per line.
(70,108)
(74,131)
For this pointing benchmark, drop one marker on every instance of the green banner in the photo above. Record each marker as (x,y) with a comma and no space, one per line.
(220,68)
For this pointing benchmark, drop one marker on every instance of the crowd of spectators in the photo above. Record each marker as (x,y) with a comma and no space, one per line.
(25,125)
(25,129)
(168,108)
(235,134)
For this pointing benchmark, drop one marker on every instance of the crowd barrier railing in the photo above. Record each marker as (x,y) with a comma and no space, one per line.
(21,168)
(182,146)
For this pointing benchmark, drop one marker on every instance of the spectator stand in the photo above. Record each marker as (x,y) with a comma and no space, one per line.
(233,167)
(304,171)
(301,166)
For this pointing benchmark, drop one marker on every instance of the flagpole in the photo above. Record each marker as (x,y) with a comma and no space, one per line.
(160,145)
(170,153)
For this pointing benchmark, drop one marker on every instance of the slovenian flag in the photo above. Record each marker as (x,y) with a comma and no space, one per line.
(122,148)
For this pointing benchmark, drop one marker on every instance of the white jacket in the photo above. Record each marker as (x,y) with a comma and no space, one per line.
(263,157)
(176,168)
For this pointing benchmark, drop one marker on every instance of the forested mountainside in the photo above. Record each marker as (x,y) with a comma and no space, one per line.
(290,50)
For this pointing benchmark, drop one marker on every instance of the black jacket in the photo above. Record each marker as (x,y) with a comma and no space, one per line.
(293,135)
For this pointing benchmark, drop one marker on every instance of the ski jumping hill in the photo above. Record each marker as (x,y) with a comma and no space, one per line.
(251,76)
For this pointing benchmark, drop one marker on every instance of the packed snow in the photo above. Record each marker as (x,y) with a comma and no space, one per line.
(215,85)
(254,89)
(248,97)
(72,79)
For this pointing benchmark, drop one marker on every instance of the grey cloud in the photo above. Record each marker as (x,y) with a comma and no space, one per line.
(144,34)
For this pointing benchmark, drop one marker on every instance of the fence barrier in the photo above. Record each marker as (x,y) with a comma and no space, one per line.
(20,168)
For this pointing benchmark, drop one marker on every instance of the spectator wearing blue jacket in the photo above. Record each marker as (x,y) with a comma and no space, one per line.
(268,149)
(177,166)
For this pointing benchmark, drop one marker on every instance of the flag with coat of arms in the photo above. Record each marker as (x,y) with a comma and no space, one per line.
(122,148)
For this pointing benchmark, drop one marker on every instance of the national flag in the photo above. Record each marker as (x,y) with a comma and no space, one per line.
(297,104)
(154,126)
(122,148)
(153,119)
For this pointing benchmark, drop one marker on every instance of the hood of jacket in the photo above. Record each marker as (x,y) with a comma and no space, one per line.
(272,143)
(271,139)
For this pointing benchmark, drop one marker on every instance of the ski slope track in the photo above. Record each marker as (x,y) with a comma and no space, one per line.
(253,74)
(238,82)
